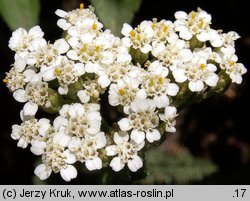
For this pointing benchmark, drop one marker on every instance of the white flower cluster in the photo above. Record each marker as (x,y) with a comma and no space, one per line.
(145,74)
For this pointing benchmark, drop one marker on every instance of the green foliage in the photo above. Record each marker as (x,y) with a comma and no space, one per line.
(20,13)
(113,13)
(181,168)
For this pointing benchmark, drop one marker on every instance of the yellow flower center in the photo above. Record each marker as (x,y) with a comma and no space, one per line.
(98,48)
(81,6)
(160,80)
(165,29)
(193,15)
(151,82)
(57,71)
(201,24)
(121,92)
(202,66)
(232,63)
(94,26)
(132,33)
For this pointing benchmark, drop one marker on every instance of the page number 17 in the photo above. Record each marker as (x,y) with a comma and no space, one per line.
(239,193)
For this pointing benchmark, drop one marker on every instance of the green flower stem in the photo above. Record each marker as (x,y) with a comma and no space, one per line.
(184,96)
(74,88)
(222,85)
(195,43)
(56,101)
(138,56)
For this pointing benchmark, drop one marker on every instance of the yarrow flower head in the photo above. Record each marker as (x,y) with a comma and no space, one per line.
(88,149)
(23,41)
(143,120)
(192,24)
(126,152)
(147,77)
(57,158)
(79,120)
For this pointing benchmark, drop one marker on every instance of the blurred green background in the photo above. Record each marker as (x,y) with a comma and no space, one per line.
(212,142)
